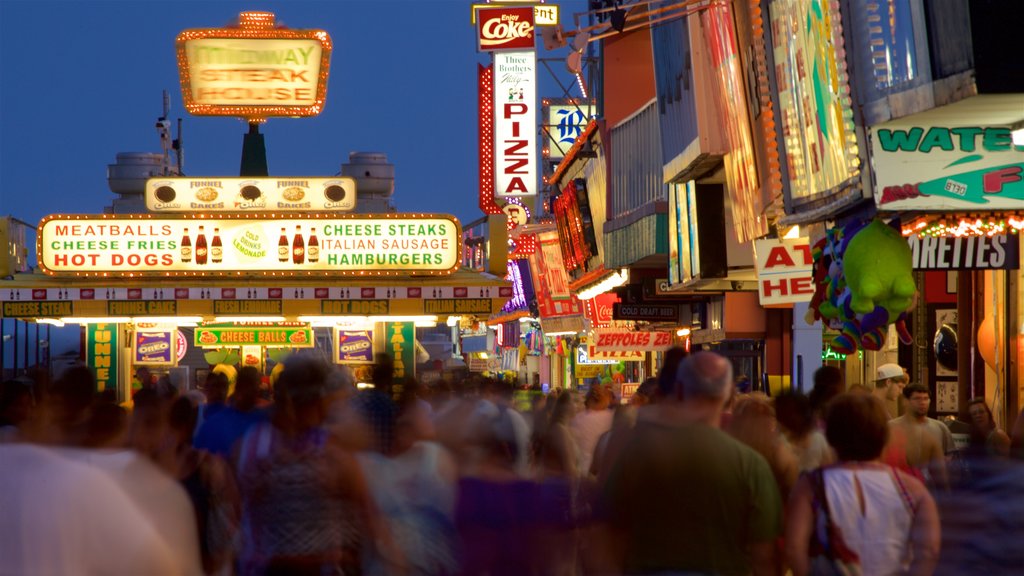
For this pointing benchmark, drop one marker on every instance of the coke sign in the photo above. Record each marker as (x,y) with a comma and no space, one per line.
(505,29)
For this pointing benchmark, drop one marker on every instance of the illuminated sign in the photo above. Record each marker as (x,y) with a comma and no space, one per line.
(619,340)
(343,245)
(142,307)
(401,344)
(551,281)
(784,273)
(355,307)
(565,123)
(155,347)
(458,306)
(1000,252)
(583,358)
(921,167)
(254,71)
(740,164)
(241,307)
(353,346)
(37,309)
(515,124)
(102,353)
(292,194)
(275,336)
(505,29)
(575,225)
(543,14)
(815,116)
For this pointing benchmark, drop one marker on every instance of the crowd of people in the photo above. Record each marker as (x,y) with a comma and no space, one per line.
(694,475)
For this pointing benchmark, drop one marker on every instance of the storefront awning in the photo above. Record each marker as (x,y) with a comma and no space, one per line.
(36,296)
(955,158)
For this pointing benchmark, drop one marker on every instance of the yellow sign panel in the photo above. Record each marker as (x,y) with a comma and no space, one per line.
(36,309)
(458,306)
(358,307)
(340,245)
(247,307)
(142,307)
(255,70)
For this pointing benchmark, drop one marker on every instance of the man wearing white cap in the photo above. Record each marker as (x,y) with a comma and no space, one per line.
(889,384)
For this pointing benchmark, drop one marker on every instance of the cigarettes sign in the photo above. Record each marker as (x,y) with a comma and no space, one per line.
(515,124)
(254,70)
(142,245)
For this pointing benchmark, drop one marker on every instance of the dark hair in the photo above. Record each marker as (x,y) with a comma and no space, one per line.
(667,377)
(76,387)
(794,413)
(857,426)
(828,383)
(303,380)
(915,388)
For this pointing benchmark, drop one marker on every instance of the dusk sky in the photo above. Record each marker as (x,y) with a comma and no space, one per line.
(82,81)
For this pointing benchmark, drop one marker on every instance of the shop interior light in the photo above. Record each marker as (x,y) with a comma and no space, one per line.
(453,321)
(51,321)
(414,319)
(566,333)
(611,282)
(683,332)
(483,355)
(793,233)
(247,319)
(347,322)
(176,320)
(363,385)
(97,320)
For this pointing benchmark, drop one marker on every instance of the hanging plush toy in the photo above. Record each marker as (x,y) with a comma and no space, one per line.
(863,282)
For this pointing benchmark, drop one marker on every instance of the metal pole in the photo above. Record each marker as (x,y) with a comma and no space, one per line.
(15,373)
(254,153)
(3,349)
(37,346)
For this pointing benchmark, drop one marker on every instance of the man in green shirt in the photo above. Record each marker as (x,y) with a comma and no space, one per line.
(686,497)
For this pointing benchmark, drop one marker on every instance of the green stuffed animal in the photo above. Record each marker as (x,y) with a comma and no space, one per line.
(877,264)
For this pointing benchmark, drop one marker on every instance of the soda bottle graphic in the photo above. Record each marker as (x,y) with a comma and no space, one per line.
(216,250)
(313,248)
(186,248)
(298,247)
(201,247)
(283,250)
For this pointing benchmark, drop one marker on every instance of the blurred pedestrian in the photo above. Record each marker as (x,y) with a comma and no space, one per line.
(889,383)
(860,516)
(916,441)
(17,405)
(220,431)
(828,383)
(753,423)
(796,418)
(986,437)
(685,497)
(587,426)
(298,488)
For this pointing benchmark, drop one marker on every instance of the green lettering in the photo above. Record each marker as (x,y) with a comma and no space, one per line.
(968,137)
(896,140)
(936,137)
(997,139)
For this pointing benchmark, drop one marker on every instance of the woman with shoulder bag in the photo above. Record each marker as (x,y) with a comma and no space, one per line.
(860,516)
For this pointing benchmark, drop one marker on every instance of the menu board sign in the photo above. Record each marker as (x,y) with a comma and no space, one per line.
(293,194)
(344,245)
(353,346)
(270,335)
(255,70)
(155,347)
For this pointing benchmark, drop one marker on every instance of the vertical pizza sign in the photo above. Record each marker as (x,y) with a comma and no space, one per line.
(508,33)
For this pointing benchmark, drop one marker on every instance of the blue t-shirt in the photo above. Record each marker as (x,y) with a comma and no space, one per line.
(219,432)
